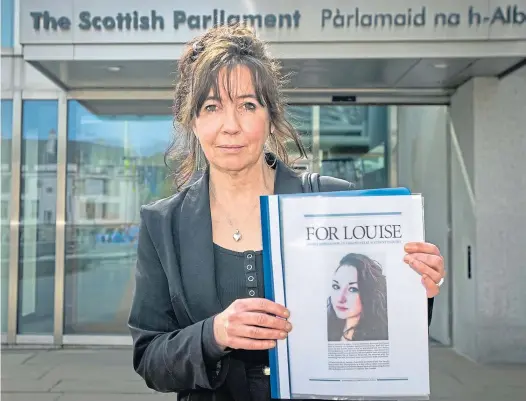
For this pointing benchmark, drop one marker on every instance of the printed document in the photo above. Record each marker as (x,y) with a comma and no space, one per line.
(359,312)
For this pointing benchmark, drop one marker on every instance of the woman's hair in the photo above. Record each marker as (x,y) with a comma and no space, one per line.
(225,47)
(372,290)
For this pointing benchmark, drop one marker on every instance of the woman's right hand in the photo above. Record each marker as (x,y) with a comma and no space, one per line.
(251,324)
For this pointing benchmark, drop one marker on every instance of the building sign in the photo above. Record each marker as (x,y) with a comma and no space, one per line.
(131,21)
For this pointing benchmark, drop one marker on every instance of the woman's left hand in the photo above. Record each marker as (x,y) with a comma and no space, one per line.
(425,259)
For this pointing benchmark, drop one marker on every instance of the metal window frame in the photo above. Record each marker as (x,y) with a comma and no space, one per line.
(313,97)
(96,340)
(60,222)
(12,337)
(34,339)
(316,160)
(14,219)
(17,47)
(391,150)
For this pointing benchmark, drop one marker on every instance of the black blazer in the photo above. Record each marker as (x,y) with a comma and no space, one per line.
(176,297)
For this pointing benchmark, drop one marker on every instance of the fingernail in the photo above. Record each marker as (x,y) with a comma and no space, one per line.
(283,334)
(286,313)
(409,247)
(288,327)
(407,258)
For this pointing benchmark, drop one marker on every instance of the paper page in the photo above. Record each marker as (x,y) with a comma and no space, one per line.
(359,312)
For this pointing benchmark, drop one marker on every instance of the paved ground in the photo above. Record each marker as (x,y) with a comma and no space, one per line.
(106,375)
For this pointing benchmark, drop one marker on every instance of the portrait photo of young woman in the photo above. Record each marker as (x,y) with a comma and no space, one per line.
(357,305)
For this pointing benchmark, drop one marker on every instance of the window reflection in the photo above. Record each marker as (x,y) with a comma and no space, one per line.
(37,217)
(115,164)
(352,141)
(8,17)
(7,135)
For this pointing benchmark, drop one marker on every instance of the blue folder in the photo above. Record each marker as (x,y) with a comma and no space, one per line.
(267,257)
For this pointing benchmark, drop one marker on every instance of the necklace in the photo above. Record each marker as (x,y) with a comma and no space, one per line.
(237,236)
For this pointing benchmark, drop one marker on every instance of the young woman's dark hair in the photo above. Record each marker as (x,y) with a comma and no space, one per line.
(372,290)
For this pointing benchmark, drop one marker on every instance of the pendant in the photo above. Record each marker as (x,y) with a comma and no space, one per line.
(237,236)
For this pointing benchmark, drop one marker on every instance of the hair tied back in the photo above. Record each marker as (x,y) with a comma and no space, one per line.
(197,49)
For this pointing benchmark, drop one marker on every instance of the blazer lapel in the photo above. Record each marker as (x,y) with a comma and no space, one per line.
(287,180)
(197,252)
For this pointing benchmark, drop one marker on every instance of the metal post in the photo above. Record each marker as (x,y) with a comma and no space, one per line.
(60,233)
(14,218)
(391,148)
(316,139)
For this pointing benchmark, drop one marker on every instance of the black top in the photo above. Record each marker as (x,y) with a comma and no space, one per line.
(238,275)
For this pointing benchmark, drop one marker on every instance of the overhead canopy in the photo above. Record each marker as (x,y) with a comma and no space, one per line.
(370,48)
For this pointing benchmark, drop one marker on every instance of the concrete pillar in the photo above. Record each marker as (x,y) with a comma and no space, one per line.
(488,184)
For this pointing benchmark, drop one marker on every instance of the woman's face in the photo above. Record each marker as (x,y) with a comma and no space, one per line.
(345,296)
(233,129)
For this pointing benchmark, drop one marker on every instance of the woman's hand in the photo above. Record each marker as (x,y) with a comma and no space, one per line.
(252,324)
(425,259)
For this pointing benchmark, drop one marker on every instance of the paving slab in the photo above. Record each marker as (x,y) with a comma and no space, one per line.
(116,397)
(30,396)
(96,374)
(106,386)
(11,357)
(90,357)
(24,385)
(92,372)
(25,371)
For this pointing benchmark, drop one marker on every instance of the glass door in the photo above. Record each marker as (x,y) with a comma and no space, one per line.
(115,164)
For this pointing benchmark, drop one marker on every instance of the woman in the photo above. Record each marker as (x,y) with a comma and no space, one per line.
(357,307)
(197,328)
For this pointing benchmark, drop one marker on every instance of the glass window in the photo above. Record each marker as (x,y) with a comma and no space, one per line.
(353,142)
(7,135)
(301,118)
(115,165)
(8,17)
(37,217)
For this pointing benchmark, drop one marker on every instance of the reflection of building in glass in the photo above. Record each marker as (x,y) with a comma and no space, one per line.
(106,188)
(352,141)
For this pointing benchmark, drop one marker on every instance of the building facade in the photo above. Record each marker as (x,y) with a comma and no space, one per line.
(424,94)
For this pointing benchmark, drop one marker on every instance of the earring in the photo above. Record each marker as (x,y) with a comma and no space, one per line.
(198,157)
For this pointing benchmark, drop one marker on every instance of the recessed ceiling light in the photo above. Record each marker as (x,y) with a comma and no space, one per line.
(114,68)
(440,65)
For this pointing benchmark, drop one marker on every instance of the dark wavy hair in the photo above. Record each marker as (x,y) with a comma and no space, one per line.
(225,47)
(372,289)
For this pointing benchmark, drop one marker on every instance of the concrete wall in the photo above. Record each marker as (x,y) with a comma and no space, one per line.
(17,75)
(476,150)
(461,130)
(500,186)
(488,164)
